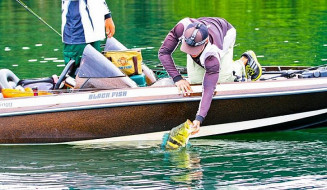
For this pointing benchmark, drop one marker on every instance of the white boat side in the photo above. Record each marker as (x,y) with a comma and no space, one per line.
(148,92)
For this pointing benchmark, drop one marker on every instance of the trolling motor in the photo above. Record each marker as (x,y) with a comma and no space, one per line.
(321,72)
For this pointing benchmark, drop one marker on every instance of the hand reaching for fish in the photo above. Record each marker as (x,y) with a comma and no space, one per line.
(195,127)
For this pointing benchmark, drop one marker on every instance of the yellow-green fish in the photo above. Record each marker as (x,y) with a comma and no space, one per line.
(178,136)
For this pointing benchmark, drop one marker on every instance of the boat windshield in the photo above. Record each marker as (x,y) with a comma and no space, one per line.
(95,65)
(114,45)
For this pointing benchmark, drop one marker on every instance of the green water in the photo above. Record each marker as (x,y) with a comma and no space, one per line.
(281,32)
(281,160)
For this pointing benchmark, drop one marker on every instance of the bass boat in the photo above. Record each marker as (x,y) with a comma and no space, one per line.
(105,105)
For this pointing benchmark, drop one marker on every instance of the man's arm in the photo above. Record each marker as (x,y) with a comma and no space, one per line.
(110,27)
(209,85)
(167,48)
(210,80)
(109,23)
(106,9)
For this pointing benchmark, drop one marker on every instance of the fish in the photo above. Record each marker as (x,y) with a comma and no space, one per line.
(178,136)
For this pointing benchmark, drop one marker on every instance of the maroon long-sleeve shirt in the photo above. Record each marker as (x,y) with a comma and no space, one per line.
(217,28)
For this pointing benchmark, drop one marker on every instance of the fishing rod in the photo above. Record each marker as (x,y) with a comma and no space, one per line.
(37,16)
(292,73)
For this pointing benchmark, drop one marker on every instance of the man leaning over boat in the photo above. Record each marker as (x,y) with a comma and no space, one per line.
(83,23)
(208,43)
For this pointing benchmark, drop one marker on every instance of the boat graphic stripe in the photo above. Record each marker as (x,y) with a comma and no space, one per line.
(205,130)
(212,129)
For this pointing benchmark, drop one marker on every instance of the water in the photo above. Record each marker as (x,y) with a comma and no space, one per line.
(282,32)
(280,160)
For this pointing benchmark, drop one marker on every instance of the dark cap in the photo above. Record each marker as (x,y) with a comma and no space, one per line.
(194,38)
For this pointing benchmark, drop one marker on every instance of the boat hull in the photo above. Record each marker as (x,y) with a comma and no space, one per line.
(232,111)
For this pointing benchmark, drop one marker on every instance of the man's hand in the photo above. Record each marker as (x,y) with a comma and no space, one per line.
(184,87)
(196,127)
(110,27)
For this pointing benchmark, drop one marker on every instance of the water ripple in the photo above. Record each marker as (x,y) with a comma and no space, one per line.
(267,161)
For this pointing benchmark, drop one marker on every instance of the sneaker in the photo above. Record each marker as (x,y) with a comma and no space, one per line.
(252,68)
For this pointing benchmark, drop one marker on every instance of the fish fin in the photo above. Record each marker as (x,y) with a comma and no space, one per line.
(188,145)
(165,138)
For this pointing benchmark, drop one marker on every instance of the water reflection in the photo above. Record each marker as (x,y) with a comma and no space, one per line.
(257,161)
(187,167)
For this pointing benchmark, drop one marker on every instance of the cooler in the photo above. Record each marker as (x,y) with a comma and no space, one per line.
(139,79)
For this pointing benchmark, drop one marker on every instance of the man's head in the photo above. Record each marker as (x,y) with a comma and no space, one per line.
(194,39)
